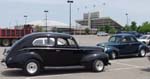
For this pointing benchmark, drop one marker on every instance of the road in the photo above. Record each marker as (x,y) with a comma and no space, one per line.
(122,68)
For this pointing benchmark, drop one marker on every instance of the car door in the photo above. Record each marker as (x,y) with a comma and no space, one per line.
(134,45)
(124,47)
(67,52)
(77,53)
(44,47)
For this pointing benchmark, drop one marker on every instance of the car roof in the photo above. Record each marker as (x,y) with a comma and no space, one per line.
(42,34)
(123,34)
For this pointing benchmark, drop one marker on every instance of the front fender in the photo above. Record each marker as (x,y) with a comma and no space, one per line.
(109,50)
(91,57)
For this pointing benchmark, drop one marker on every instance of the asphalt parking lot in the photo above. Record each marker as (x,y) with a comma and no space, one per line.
(122,68)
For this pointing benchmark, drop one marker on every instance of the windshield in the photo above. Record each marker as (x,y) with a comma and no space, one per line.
(114,39)
(143,37)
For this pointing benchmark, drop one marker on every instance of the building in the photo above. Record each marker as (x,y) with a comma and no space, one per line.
(94,21)
(51,25)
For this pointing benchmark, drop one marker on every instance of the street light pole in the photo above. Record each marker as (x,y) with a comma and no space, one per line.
(70,2)
(25,20)
(127,19)
(46,11)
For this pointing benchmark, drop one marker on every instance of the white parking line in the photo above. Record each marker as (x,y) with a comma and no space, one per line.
(117,69)
(130,66)
(49,76)
(127,64)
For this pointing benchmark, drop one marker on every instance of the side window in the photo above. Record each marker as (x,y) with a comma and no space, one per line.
(51,42)
(40,42)
(44,42)
(132,39)
(72,42)
(124,40)
(62,42)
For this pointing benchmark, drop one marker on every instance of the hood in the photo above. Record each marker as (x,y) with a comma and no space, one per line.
(107,44)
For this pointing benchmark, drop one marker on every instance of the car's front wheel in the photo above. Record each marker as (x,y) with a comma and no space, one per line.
(98,66)
(113,55)
(142,53)
(32,67)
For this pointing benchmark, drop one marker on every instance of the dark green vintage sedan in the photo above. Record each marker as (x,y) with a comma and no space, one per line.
(124,45)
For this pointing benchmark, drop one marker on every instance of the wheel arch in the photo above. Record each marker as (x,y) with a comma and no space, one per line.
(23,57)
(142,47)
(91,57)
(113,49)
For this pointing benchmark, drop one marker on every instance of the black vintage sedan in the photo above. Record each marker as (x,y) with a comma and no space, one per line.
(38,50)
(123,45)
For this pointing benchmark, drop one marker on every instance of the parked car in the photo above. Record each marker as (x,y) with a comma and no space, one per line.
(145,39)
(102,34)
(124,45)
(38,50)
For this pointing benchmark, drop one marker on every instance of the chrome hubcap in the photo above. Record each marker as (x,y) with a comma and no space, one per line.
(99,65)
(142,52)
(113,55)
(32,67)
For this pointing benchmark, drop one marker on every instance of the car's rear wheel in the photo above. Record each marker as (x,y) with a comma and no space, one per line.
(113,55)
(98,66)
(142,53)
(32,67)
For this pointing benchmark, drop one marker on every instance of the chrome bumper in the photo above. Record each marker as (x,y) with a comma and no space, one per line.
(3,62)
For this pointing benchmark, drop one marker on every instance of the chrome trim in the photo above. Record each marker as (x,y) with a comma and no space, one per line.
(47,48)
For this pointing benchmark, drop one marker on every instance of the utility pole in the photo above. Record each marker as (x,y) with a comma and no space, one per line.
(25,19)
(70,2)
(46,11)
(127,19)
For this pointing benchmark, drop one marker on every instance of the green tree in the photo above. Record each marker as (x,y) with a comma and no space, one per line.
(127,28)
(138,28)
(107,28)
(133,26)
(100,28)
(112,31)
(87,30)
(145,27)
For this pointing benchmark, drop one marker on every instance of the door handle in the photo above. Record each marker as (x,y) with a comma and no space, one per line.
(58,50)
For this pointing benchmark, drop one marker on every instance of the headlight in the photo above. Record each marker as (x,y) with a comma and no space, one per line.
(106,48)
(9,59)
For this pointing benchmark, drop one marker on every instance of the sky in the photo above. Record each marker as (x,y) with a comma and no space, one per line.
(12,11)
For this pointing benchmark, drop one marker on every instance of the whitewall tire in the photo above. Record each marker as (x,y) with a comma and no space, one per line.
(32,67)
(98,66)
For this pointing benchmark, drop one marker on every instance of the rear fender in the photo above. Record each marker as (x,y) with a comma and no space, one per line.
(23,57)
(143,47)
(111,49)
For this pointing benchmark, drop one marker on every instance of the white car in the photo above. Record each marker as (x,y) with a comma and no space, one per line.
(145,39)
(102,34)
